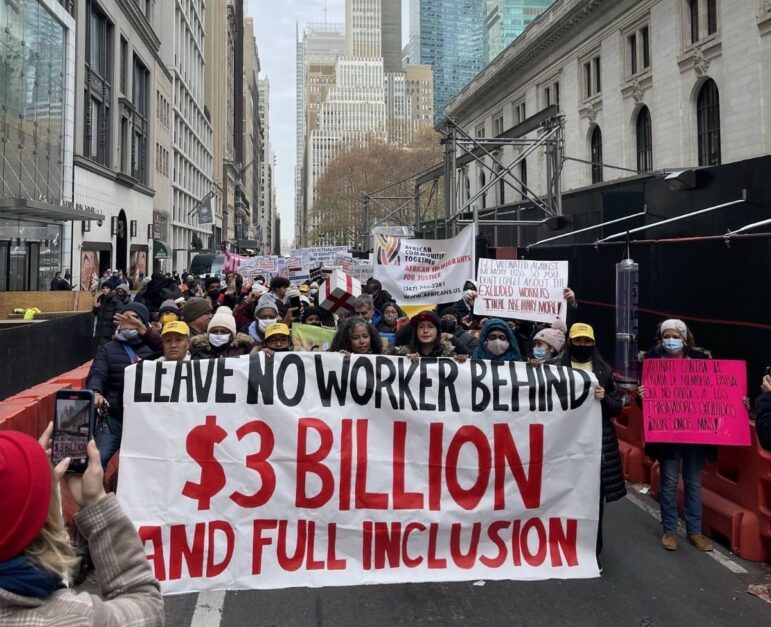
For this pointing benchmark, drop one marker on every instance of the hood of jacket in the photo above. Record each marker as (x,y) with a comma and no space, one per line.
(481,352)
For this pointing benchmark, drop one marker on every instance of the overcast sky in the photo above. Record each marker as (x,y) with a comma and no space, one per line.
(274,29)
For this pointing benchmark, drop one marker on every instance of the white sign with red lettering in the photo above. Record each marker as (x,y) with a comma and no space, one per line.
(318,469)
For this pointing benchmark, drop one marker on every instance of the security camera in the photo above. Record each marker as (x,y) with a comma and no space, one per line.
(99,222)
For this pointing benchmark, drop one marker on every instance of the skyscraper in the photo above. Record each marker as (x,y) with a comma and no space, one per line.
(505,21)
(448,35)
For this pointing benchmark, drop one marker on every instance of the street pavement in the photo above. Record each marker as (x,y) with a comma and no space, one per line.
(641,585)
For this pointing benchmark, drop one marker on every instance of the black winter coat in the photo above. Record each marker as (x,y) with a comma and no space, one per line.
(658,450)
(105,327)
(106,373)
(763,420)
(612,474)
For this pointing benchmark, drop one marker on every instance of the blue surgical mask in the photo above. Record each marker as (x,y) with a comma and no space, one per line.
(672,345)
(126,335)
(541,354)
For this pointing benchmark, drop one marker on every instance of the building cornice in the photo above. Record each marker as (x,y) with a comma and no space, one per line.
(543,33)
(141,25)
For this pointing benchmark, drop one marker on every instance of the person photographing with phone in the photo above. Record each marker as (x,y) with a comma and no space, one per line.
(36,557)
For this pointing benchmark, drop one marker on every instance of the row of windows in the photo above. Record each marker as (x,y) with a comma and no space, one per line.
(162,109)
(161,160)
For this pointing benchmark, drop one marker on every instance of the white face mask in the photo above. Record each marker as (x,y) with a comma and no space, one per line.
(264,324)
(497,347)
(219,339)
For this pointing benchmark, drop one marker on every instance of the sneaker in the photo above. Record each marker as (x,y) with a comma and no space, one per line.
(669,541)
(700,542)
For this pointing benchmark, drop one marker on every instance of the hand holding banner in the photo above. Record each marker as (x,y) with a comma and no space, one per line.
(308,469)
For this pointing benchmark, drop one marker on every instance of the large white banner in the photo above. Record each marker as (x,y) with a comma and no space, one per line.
(318,469)
(425,270)
(524,289)
(319,255)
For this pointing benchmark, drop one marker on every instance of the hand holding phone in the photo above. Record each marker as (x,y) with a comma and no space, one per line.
(73,428)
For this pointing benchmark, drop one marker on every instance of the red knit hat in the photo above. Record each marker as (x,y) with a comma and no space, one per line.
(25,492)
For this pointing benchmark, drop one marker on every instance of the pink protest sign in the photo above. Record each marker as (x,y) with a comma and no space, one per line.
(695,401)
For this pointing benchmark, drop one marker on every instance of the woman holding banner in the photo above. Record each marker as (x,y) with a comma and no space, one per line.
(497,342)
(356,336)
(582,354)
(426,339)
(675,341)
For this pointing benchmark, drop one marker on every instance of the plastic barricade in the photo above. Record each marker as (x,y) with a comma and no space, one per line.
(629,430)
(736,499)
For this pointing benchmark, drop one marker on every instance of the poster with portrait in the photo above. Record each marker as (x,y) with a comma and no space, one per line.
(89,270)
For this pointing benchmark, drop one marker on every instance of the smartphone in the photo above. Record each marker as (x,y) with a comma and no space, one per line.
(294,302)
(73,428)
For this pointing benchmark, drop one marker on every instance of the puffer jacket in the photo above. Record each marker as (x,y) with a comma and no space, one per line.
(659,450)
(129,592)
(612,473)
(241,344)
(106,373)
(105,327)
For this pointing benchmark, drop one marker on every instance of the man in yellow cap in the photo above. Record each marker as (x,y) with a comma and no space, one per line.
(176,341)
(277,339)
(581,346)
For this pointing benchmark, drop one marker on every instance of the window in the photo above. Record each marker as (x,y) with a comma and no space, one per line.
(644,141)
(482,183)
(708,123)
(694,17)
(546,96)
(98,83)
(479,131)
(498,124)
(596,154)
(701,19)
(123,64)
(523,177)
(711,16)
(139,97)
(519,112)
(638,53)
(592,81)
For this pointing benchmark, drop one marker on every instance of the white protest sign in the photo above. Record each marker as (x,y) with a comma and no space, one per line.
(318,469)
(320,255)
(524,289)
(423,270)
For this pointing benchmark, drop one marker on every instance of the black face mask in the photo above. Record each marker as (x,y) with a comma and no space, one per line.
(214,293)
(449,326)
(581,354)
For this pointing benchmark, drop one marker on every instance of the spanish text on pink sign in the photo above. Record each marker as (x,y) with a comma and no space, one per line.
(524,289)
(695,401)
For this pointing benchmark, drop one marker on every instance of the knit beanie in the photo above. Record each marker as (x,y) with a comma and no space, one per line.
(266,301)
(673,324)
(169,306)
(140,310)
(124,287)
(25,497)
(195,308)
(223,317)
(553,337)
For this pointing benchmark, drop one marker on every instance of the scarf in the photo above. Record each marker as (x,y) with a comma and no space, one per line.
(22,576)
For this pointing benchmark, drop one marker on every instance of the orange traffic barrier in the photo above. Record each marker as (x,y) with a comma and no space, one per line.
(631,445)
(736,499)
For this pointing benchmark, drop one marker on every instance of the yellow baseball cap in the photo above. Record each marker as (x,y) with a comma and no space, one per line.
(176,326)
(278,328)
(581,329)
(303,289)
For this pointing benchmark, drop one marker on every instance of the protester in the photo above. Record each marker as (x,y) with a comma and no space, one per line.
(36,556)
(356,336)
(265,314)
(763,414)
(212,290)
(465,305)
(105,308)
(389,316)
(122,292)
(175,338)
(59,284)
(363,307)
(190,287)
(582,354)
(317,317)
(221,338)
(278,287)
(426,340)
(106,275)
(134,339)
(197,313)
(675,341)
(452,329)
(160,288)
(277,339)
(380,297)
(497,342)
(169,311)
(548,345)
(232,296)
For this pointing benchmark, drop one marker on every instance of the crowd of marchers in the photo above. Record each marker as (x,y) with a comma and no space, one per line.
(179,317)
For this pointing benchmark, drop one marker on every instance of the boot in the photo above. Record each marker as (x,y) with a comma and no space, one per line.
(669,541)
(700,542)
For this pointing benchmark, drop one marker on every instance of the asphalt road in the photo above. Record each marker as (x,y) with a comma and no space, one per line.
(641,585)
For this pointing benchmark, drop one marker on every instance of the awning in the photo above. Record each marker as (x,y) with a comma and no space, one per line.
(161,249)
(26,209)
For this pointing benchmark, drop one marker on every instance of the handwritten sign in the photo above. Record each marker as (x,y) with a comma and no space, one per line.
(524,289)
(695,401)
